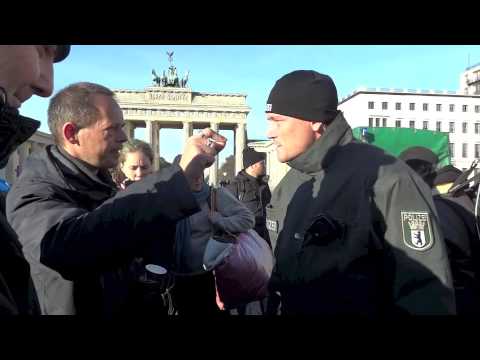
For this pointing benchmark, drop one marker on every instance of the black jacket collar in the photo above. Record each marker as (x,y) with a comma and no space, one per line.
(320,153)
(78,176)
(15,129)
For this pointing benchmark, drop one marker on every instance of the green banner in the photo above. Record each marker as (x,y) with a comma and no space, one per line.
(396,140)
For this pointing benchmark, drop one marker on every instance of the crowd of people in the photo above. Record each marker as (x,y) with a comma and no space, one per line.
(91,228)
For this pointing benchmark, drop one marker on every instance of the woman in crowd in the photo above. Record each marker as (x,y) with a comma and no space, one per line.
(136,162)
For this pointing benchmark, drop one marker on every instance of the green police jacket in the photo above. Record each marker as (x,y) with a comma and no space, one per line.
(355,231)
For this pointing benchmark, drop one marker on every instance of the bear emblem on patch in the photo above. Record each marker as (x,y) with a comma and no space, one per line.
(417,230)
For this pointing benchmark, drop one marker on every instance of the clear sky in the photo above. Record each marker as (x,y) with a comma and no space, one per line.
(253,70)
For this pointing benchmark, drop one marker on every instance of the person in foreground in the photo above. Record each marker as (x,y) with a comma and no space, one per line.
(354,230)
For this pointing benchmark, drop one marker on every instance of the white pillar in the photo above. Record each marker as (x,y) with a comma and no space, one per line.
(239,146)
(154,141)
(213,179)
(129,129)
(187,131)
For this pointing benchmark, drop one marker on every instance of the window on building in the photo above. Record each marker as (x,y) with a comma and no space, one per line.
(425,107)
(384,105)
(451,127)
(464,127)
(384,122)
(425,125)
(439,126)
(398,123)
(377,122)
(452,107)
(464,108)
(370,105)
(412,106)
(370,122)
(477,108)
(477,128)
(439,107)
(412,124)
(464,150)
(477,151)
(451,147)
(398,106)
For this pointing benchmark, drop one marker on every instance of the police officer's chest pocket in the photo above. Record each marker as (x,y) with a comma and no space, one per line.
(323,231)
(321,248)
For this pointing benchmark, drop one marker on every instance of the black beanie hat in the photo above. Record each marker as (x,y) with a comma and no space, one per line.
(419,153)
(422,160)
(251,157)
(62,52)
(447,174)
(304,94)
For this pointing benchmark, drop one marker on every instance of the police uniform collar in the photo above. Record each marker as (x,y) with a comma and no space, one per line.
(320,154)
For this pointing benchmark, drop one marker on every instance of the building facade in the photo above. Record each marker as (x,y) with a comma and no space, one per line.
(470,80)
(446,111)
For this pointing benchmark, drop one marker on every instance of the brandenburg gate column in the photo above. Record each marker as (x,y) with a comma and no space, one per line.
(154,140)
(239,146)
(187,131)
(129,129)
(214,168)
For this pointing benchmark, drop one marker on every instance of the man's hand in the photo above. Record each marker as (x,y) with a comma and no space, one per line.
(199,153)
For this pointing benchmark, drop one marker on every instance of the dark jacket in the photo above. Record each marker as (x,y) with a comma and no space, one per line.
(17,292)
(355,231)
(255,194)
(81,237)
(457,221)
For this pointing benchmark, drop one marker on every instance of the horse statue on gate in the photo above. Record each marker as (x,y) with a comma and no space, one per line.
(184,80)
(171,78)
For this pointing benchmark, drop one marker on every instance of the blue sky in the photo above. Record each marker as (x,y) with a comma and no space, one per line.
(253,70)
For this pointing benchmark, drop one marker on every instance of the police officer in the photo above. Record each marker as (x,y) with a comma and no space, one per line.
(354,229)
(457,222)
(250,186)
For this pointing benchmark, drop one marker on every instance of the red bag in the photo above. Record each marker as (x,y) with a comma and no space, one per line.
(242,265)
(243,275)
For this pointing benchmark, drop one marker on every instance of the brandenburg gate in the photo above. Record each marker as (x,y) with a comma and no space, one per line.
(170,104)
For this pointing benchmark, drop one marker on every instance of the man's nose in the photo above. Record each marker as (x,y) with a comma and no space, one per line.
(43,85)
(271,133)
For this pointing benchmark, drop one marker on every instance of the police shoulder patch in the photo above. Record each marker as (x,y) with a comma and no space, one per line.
(417,230)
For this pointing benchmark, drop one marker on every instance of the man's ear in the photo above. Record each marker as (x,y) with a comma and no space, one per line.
(70,132)
(318,127)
